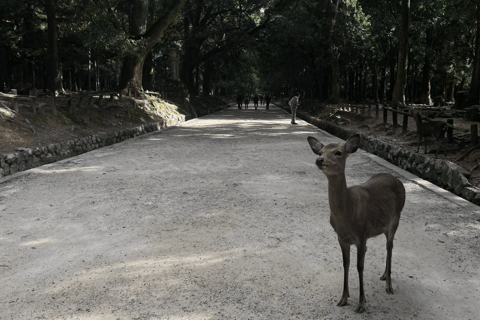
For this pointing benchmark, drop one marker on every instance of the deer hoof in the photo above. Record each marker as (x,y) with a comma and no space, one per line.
(360,309)
(383,278)
(342,303)
(389,290)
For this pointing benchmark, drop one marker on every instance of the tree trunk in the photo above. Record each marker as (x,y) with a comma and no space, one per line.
(131,74)
(374,81)
(335,80)
(473,94)
(148,72)
(426,94)
(197,80)
(392,76)
(53,70)
(334,96)
(383,80)
(3,69)
(132,68)
(206,78)
(398,97)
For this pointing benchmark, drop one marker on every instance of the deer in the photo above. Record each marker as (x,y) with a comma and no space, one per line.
(359,212)
(436,129)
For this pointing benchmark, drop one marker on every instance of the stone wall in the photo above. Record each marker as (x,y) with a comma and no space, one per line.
(26,158)
(442,173)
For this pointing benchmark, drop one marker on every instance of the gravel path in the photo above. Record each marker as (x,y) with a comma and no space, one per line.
(223,217)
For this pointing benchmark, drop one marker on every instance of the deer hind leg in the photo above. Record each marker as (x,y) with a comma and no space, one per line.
(387,276)
(346,265)
(361,250)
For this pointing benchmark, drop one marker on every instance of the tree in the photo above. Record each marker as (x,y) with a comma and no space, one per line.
(398,97)
(144,41)
(215,26)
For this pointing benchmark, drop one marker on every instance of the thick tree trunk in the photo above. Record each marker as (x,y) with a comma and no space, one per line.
(398,97)
(132,68)
(131,74)
(148,73)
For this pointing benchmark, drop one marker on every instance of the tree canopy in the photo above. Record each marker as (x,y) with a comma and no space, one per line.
(329,50)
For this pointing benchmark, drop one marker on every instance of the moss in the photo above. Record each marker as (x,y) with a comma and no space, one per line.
(63,118)
(93,114)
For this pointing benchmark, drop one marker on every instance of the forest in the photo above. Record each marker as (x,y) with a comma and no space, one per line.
(331,50)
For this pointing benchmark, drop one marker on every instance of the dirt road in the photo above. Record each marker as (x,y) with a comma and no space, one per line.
(224,217)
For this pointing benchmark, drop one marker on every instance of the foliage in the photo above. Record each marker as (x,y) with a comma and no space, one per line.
(245,45)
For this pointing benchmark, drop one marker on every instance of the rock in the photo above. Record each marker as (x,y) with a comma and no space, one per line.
(473,113)
(470,192)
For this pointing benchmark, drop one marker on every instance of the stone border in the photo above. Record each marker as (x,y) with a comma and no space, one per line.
(27,158)
(442,173)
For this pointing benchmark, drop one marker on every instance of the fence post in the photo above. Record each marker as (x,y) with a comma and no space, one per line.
(14,100)
(450,131)
(69,104)
(474,134)
(405,123)
(54,106)
(394,118)
(33,103)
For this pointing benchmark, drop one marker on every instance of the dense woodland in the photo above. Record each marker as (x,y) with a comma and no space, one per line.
(335,50)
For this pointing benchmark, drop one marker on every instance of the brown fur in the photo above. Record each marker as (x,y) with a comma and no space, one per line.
(436,129)
(359,212)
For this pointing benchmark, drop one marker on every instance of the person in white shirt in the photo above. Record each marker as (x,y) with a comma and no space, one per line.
(294,102)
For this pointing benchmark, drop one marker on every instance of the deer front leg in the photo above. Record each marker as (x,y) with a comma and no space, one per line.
(346,265)
(387,276)
(361,250)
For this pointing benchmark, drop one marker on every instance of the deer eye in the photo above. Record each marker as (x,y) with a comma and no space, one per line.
(338,154)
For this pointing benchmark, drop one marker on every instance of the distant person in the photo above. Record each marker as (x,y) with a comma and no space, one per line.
(294,102)
(240,100)
(267,101)
(255,101)
(261,99)
(246,102)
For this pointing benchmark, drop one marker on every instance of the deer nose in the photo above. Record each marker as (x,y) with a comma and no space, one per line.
(319,162)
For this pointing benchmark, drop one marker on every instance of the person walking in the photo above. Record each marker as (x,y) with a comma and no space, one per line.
(255,101)
(239,100)
(267,101)
(246,101)
(294,102)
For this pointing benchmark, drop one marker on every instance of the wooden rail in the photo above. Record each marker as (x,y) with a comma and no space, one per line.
(406,115)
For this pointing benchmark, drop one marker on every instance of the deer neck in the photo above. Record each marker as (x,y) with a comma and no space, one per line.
(338,195)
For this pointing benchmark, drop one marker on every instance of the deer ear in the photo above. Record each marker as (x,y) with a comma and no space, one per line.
(315,144)
(352,143)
